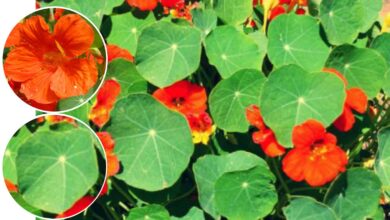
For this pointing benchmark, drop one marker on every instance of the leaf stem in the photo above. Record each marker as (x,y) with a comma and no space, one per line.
(280,178)
(184,195)
(122,192)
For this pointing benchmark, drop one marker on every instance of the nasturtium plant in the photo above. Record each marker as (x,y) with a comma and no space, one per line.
(237,109)
(232,96)
(296,39)
(290,90)
(45,157)
(230,50)
(170,50)
(153,156)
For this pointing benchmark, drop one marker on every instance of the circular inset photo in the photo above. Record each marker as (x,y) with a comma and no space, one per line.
(54,166)
(54,59)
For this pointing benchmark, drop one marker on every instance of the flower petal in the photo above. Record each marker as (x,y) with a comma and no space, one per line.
(38,88)
(357,100)
(73,35)
(294,163)
(144,5)
(113,164)
(107,140)
(77,207)
(306,134)
(35,34)
(14,37)
(74,78)
(345,121)
(115,52)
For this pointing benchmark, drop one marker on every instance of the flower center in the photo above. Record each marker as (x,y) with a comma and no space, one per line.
(318,151)
(55,56)
(178,101)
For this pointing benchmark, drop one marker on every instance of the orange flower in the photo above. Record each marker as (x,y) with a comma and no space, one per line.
(184,97)
(356,100)
(77,207)
(105,100)
(58,13)
(115,52)
(10,186)
(14,37)
(181,10)
(48,64)
(170,3)
(113,164)
(201,127)
(104,189)
(316,158)
(275,12)
(144,5)
(265,137)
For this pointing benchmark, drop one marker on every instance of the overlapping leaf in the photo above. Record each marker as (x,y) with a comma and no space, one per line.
(152,153)
(362,67)
(248,194)
(49,162)
(291,96)
(126,74)
(355,194)
(231,50)
(205,20)
(168,52)
(155,212)
(382,45)
(295,39)
(209,168)
(230,98)
(126,29)
(382,161)
(307,207)
(93,11)
(194,214)
(233,12)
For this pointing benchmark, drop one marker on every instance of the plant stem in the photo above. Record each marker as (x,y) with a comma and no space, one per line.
(216,144)
(280,178)
(122,192)
(189,192)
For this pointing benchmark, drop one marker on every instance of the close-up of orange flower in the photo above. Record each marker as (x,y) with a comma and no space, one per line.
(184,97)
(105,100)
(51,63)
(315,158)
(356,101)
(264,136)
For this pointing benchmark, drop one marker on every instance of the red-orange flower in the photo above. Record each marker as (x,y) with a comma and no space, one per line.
(184,97)
(49,65)
(316,158)
(115,52)
(105,100)
(58,13)
(59,118)
(181,10)
(113,165)
(77,207)
(201,127)
(170,3)
(356,100)
(10,186)
(275,12)
(144,5)
(265,137)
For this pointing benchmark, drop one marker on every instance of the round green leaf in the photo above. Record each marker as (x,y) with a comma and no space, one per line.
(362,67)
(126,28)
(209,168)
(9,166)
(341,20)
(302,207)
(155,212)
(382,45)
(168,52)
(248,194)
(382,161)
(194,214)
(152,153)
(233,12)
(371,10)
(230,98)
(49,162)
(126,74)
(355,194)
(295,39)
(205,20)
(93,11)
(292,96)
(230,50)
